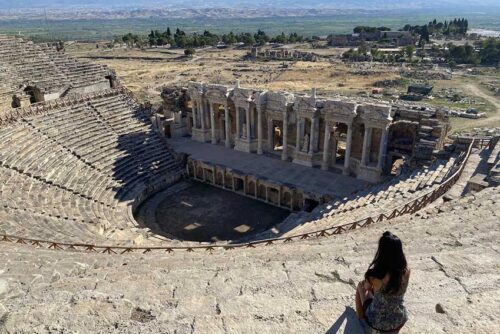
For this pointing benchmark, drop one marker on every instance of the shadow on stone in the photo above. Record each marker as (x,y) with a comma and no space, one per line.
(352,324)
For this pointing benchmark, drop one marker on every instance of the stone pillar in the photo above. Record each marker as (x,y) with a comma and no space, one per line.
(334,151)
(383,149)
(249,128)
(259,131)
(212,123)
(326,148)
(365,155)
(227,126)
(299,122)
(202,115)
(312,137)
(195,121)
(238,125)
(284,153)
(348,150)
(270,135)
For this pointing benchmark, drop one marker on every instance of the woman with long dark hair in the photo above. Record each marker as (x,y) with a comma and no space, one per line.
(379,298)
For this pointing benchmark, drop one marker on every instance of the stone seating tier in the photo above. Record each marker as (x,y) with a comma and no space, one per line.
(69,175)
(44,67)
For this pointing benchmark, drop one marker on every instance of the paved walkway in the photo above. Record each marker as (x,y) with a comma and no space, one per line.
(309,179)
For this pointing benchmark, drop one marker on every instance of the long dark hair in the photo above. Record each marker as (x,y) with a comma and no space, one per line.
(389,259)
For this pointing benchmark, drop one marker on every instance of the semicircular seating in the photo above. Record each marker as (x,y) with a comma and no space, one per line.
(72,173)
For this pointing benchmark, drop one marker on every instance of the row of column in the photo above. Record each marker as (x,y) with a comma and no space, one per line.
(313,136)
(198,114)
(365,156)
(326,148)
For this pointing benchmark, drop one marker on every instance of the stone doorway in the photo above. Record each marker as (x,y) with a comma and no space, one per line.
(277,136)
(339,145)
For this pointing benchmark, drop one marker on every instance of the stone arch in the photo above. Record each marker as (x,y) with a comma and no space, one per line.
(219,179)
(229,180)
(262,192)
(199,172)
(403,136)
(287,198)
(251,188)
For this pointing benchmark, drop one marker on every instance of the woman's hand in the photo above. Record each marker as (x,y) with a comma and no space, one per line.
(367,285)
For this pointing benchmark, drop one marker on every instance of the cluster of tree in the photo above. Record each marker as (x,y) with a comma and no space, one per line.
(488,54)
(260,38)
(183,40)
(367,29)
(131,40)
(454,27)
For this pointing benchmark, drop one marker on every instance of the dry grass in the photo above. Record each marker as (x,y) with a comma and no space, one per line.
(146,72)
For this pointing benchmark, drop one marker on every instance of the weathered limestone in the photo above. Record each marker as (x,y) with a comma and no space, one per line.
(312,282)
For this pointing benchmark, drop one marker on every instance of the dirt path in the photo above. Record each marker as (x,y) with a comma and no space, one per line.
(493,118)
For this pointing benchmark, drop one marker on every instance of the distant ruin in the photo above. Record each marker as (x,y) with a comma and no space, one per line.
(282,54)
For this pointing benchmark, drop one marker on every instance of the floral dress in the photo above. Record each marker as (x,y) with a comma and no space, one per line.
(387,312)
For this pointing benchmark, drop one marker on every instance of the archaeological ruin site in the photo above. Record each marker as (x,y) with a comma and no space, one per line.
(230,209)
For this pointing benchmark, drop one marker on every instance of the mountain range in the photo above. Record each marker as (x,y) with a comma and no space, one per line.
(250,4)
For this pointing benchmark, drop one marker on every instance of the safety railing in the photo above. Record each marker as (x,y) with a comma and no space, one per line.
(408,208)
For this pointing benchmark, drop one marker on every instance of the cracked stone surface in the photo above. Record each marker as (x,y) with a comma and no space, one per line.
(301,287)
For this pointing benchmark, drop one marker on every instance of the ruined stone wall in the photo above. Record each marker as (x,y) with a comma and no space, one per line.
(374,133)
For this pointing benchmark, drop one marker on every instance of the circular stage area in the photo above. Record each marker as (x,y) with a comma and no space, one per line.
(194,211)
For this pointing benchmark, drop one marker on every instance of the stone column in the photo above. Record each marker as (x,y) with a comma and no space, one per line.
(348,150)
(249,128)
(312,137)
(284,153)
(270,135)
(202,115)
(238,125)
(195,121)
(383,149)
(299,122)
(259,131)
(212,123)
(326,148)
(365,155)
(333,151)
(227,126)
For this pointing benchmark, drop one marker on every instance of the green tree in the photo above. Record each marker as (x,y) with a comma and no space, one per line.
(409,51)
(189,52)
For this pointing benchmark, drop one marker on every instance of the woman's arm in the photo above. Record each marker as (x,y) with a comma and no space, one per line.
(375,283)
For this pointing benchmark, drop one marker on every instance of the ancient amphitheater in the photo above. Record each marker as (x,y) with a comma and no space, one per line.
(229,209)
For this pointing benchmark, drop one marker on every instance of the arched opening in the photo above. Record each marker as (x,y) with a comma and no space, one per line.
(402,137)
(34,94)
